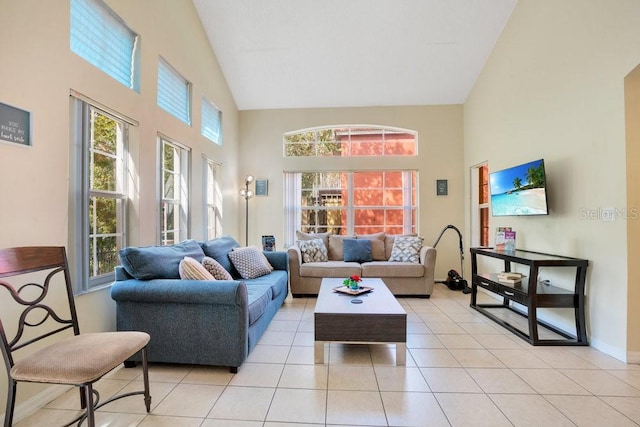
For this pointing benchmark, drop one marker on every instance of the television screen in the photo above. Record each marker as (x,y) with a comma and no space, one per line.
(520,190)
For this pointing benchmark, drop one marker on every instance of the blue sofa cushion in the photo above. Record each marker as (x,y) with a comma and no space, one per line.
(357,250)
(158,262)
(259,298)
(219,249)
(277,280)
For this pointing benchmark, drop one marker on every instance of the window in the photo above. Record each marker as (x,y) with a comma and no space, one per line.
(211,126)
(97,221)
(213,198)
(361,202)
(480,205)
(174,217)
(99,36)
(349,141)
(174,92)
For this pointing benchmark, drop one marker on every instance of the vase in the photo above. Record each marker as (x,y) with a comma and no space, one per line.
(354,286)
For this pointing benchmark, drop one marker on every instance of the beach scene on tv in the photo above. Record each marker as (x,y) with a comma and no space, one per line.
(519,190)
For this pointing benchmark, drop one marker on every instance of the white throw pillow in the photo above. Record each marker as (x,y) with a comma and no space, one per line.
(191,269)
(250,262)
(313,250)
(216,269)
(406,249)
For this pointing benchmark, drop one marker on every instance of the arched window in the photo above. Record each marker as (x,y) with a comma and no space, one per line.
(349,141)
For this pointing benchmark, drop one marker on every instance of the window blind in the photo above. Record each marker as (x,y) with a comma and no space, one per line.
(174,93)
(99,36)
(211,126)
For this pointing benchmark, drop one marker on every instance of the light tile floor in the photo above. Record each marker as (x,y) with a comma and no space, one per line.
(462,370)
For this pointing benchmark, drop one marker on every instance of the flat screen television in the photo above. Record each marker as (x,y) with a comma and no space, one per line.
(519,190)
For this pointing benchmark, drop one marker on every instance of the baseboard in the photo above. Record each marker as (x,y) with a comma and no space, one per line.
(619,354)
(633,357)
(30,406)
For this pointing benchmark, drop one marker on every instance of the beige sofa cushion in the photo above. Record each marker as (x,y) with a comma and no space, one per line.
(392,269)
(336,246)
(329,269)
(377,245)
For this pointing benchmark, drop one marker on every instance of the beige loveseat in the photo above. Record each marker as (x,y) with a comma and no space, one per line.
(402,278)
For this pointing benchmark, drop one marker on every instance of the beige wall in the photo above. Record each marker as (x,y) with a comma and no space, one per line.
(37,73)
(440,157)
(553,88)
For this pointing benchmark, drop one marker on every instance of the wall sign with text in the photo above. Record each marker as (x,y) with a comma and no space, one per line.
(15,125)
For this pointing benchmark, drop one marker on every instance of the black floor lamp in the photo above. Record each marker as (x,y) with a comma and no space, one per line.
(247,194)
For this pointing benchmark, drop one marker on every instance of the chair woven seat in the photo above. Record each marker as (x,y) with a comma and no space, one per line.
(79,359)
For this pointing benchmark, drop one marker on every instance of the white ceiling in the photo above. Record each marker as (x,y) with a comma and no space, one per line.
(346,53)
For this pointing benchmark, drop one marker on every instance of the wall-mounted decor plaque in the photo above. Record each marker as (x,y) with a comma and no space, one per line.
(15,125)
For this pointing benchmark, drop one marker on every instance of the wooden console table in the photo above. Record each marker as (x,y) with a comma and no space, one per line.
(532,294)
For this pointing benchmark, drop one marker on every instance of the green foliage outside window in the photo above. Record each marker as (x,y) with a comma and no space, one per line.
(104,202)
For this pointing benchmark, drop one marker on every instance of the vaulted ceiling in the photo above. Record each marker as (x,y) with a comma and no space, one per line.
(345,53)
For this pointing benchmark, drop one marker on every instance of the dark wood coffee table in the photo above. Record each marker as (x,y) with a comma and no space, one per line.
(378,319)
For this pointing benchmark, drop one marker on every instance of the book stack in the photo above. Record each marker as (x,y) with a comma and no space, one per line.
(509,277)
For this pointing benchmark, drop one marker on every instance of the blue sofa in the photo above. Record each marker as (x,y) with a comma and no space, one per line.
(196,321)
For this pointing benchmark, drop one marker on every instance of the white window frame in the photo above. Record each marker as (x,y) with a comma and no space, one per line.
(81,193)
(211,121)
(174,92)
(212,196)
(313,138)
(294,210)
(181,187)
(98,35)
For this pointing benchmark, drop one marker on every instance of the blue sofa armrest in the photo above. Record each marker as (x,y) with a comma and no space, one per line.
(190,321)
(279,260)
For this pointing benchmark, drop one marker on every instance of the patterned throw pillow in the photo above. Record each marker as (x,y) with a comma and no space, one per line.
(217,271)
(190,269)
(313,250)
(300,235)
(250,262)
(406,249)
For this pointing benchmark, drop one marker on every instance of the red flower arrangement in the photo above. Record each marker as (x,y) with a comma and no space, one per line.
(352,282)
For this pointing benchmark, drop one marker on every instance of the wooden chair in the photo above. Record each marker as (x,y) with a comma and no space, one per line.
(78,360)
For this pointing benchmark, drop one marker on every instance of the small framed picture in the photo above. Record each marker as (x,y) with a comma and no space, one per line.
(262,187)
(442,187)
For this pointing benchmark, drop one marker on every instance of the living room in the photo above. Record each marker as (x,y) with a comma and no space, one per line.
(559,85)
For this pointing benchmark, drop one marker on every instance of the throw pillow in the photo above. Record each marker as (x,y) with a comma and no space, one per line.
(219,249)
(301,235)
(249,262)
(190,269)
(406,249)
(388,243)
(158,262)
(357,250)
(266,260)
(336,247)
(377,245)
(312,250)
(217,271)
